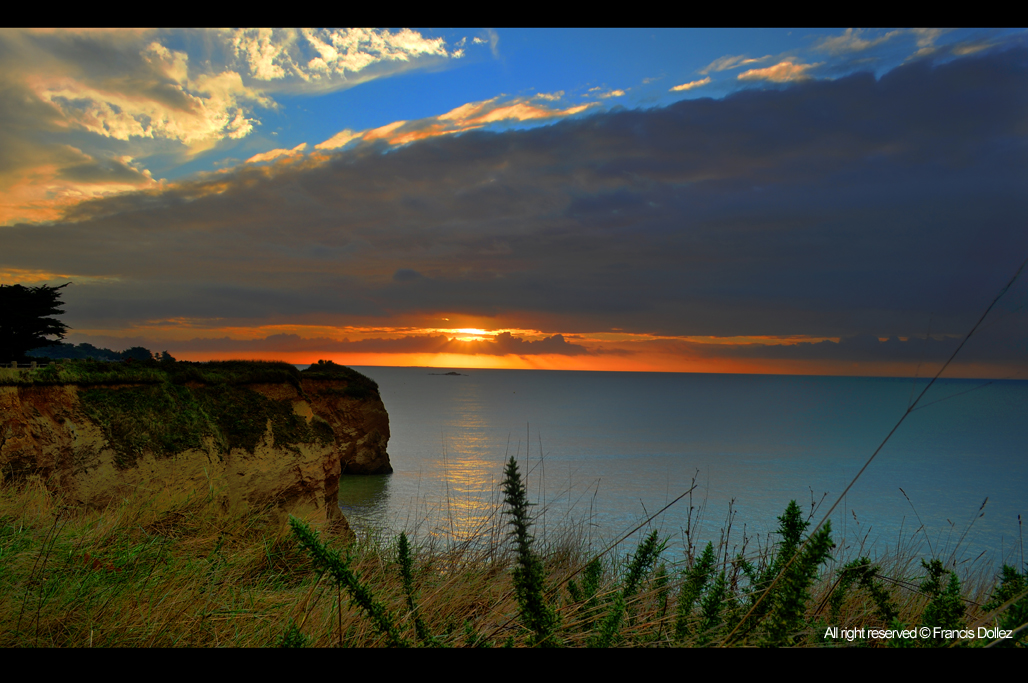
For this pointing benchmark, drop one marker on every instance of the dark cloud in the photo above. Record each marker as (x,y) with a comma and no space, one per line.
(502,344)
(508,343)
(859,206)
(406,275)
(108,171)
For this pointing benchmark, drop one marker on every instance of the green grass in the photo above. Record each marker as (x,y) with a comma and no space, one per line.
(151,572)
(232,372)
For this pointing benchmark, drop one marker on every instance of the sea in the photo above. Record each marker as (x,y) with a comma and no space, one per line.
(609,456)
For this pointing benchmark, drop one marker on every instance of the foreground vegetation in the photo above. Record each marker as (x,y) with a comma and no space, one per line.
(160,573)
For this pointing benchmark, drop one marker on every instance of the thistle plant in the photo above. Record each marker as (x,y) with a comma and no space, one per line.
(642,561)
(407,576)
(712,607)
(946,608)
(331,561)
(1012,593)
(696,579)
(865,575)
(528,574)
(789,601)
(292,638)
(591,576)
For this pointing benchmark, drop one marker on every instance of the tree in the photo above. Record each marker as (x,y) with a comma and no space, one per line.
(24,319)
(136,353)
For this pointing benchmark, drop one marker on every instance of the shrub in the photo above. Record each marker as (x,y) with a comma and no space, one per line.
(528,574)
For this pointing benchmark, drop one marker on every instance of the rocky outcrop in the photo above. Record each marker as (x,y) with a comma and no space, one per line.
(361,425)
(280,443)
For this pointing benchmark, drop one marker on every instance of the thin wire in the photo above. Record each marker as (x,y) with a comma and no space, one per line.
(909,410)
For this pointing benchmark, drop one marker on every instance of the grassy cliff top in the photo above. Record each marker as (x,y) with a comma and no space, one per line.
(167,406)
(230,372)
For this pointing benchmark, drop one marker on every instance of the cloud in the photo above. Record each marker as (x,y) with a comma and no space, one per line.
(469,116)
(278,153)
(500,345)
(117,93)
(782,72)
(926,38)
(332,57)
(507,343)
(731,62)
(608,93)
(406,275)
(690,85)
(864,347)
(60,178)
(970,47)
(853,41)
(340,139)
(209,107)
(825,208)
(494,42)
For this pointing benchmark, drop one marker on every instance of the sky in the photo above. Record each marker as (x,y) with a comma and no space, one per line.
(807,201)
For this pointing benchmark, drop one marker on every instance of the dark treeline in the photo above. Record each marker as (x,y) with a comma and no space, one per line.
(82,351)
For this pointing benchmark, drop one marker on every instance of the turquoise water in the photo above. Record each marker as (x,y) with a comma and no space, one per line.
(617,447)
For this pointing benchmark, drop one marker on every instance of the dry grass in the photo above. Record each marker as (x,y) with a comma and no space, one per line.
(155,572)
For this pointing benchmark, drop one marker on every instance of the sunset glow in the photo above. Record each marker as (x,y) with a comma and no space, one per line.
(729,201)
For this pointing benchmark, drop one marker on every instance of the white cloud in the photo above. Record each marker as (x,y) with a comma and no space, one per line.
(926,38)
(316,55)
(852,41)
(195,112)
(494,42)
(262,53)
(969,48)
(730,62)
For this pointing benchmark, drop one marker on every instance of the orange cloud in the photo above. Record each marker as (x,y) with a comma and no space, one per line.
(782,72)
(382,131)
(42,193)
(340,139)
(461,119)
(276,153)
(690,85)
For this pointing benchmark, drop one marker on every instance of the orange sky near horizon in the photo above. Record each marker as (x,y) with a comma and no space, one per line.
(480,347)
(637,363)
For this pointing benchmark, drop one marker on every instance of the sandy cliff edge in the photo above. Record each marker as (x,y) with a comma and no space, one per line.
(276,443)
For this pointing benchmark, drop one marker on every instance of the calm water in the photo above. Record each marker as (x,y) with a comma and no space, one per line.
(617,447)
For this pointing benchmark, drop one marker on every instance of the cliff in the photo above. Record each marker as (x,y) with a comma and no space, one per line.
(259,433)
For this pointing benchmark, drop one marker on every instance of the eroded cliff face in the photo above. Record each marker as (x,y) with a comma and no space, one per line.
(279,444)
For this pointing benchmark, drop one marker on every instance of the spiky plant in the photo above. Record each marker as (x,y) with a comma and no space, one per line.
(528,574)
(331,561)
(642,561)
(696,579)
(406,561)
